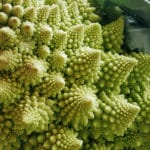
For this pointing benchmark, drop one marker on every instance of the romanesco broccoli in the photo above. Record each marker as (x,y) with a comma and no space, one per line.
(64,84)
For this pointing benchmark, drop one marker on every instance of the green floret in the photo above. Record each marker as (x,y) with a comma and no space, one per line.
(58,137)
(10,91)
(43,51)
(77,106)
(131,140)
(54,18)
(139,76)
(142,121)
(58,61)
(7,8)
(27,29)
(65,18)
(59,40)
(74,13)
(113,36)
(51,2)
(137,89)
(32,114)
(75,37)
(43,34)
(3,17)
(43,13)
(143,66)
(18,11)
(30,14)
(83,66)
(14,22)
(114,71)
(28,3)
(52,84)
(86,12)
(17,2)
(9,60)
(93,36)
(8,138)
(114,113)
(62,138)
(7,38)
(32,71)
(145,146)
(92,145)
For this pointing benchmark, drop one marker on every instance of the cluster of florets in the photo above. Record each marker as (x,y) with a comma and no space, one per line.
(58,89)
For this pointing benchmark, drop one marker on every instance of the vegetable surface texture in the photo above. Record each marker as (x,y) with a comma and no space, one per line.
(65,81)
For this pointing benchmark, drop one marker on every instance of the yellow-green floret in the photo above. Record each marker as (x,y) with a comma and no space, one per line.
(113,36)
